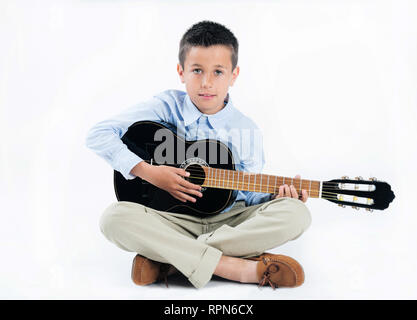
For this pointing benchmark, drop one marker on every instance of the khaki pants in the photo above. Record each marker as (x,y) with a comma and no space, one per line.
(194,245)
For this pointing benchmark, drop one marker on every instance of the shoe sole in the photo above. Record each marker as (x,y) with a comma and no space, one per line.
(137,270)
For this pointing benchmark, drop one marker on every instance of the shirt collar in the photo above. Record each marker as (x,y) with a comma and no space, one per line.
(191,113)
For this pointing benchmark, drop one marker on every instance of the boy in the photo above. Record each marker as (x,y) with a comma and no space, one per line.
(230,244)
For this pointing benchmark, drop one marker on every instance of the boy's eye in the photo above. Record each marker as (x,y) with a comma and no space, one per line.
(198,71)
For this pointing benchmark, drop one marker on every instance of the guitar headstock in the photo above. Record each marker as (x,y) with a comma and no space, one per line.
(358,193)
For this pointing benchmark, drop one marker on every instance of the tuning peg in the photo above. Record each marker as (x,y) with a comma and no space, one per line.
(372,179)
(342,205)
(370,210)
(355,208)
(358,178)
(345,177)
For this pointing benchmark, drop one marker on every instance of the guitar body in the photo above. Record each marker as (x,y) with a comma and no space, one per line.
(140,138)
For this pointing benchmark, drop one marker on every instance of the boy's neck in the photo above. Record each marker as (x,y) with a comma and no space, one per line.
(210,114)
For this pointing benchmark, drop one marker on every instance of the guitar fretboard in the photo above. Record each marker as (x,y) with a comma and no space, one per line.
(256,182)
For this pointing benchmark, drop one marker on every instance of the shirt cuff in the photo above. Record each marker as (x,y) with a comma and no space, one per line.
(127,160)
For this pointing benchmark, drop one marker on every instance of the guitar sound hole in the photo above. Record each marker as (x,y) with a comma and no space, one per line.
(197,174)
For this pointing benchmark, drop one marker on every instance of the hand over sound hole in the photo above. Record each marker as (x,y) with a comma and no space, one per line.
(197,174)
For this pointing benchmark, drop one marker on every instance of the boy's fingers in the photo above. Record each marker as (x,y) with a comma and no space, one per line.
(294,192)
(281,191)
(190,191)
(287,191)
(305,195)
(176,196)
(184,197)
(182,172)
(189,185)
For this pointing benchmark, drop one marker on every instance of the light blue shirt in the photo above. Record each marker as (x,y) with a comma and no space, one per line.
(228,125)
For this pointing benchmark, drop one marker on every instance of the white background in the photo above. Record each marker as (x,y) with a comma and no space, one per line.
(332,84)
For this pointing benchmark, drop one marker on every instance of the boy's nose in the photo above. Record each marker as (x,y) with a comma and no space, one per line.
(207,82)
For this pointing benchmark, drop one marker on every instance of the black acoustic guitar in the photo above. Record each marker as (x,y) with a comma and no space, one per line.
(211,165)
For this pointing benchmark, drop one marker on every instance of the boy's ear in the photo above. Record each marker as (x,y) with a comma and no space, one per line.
(180,72)
(235,73)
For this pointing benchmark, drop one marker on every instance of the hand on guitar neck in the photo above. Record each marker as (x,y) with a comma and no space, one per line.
(291,192)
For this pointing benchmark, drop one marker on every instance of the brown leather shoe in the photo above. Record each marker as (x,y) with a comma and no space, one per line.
(146,271)
(278,270)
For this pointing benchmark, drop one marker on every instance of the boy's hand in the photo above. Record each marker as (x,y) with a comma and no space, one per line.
(290,191)
(170,179)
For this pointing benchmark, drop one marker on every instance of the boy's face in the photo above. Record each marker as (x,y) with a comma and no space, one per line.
(208,71)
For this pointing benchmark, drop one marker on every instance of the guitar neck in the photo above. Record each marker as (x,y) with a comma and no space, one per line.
(256,182)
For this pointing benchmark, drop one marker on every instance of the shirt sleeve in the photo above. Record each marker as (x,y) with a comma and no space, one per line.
(255,164)
(104,138)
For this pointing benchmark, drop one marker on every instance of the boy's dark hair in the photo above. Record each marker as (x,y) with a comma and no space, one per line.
(205,34)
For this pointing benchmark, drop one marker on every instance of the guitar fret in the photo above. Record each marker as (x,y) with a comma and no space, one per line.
(247,176)
(242,183)
(226,180)
(254,183)
(215,178)
(267,183)
(221,178)
(260,184)
(246,181)
(275,187)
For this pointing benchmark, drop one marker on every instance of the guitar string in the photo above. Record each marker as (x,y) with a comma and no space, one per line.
(330,195)
(324,188)
(327,193)
(202,176)
(326,197)
(296,182)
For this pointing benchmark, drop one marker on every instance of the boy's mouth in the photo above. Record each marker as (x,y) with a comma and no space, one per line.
(207,96)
